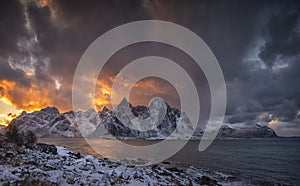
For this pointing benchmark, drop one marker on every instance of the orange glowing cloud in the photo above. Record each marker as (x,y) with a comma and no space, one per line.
(23,98)
(102,94)
(7,110)
(273,123)
(145,89)
(141,93)
(44,3)
(5,119)
(15,97)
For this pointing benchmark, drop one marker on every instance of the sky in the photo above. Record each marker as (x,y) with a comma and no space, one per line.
(256,43)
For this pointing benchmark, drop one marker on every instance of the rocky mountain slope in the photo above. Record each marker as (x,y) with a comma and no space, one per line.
(49,123)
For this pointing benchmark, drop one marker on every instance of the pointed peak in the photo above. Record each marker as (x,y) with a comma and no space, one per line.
(105,109)
(125,101)
(50,110)
(158,100)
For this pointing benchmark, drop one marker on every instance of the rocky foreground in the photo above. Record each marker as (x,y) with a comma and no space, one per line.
(41,164)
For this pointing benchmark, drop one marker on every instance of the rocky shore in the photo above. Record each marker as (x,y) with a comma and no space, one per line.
(41,164)
(23,161)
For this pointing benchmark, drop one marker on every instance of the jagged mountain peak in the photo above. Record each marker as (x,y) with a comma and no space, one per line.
(48,122)
(105,109)
(50,110)
(124,102)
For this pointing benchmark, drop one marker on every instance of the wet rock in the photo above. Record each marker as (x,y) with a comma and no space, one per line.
(166,162)
(44,148)
(10,154)
(75,155)
(173,169)
(205,180)
(2,138)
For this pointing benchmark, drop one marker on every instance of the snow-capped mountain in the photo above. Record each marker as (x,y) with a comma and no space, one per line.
(246,132)
(49,123)
(173,125)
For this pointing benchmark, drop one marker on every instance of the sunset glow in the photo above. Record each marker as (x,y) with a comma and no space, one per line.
(44,3)
(7,111)
(42,42)
(149,92)
(273,123)
(16,98)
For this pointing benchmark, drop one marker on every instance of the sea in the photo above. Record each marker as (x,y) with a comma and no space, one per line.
(255,161)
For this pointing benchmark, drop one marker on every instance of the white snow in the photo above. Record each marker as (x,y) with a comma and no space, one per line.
(67,169)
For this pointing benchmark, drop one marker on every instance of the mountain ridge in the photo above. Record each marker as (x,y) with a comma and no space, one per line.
(50,123)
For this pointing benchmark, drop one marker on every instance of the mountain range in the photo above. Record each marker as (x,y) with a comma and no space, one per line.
(49,123)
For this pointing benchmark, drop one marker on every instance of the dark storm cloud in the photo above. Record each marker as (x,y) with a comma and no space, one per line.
(287,110)
(273,85)
(78,25)
(7,73)
(11,26)
(61,31)
(266,83)
(227,27)
(242,118)
(282,37)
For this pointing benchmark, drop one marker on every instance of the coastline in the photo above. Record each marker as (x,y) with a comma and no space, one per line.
(41,164)
(240,158)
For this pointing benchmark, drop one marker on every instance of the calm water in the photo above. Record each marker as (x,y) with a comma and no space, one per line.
(260,161)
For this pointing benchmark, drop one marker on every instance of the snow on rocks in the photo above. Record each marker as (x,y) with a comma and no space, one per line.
(32,165)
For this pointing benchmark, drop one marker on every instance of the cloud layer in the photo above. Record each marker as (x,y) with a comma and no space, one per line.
(256,43)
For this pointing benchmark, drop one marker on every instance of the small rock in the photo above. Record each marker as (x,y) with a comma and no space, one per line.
(166,162)
(75,155)
(208,181)
(44,148)
(173,169)
(9,154)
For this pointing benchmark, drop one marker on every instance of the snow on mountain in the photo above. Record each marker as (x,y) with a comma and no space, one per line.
(246,132)
(173,121)
(49,123)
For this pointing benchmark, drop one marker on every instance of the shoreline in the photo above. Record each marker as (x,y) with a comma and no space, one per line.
(216,158)
(38,164)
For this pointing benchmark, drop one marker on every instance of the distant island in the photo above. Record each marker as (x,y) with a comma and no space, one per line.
(49,123)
